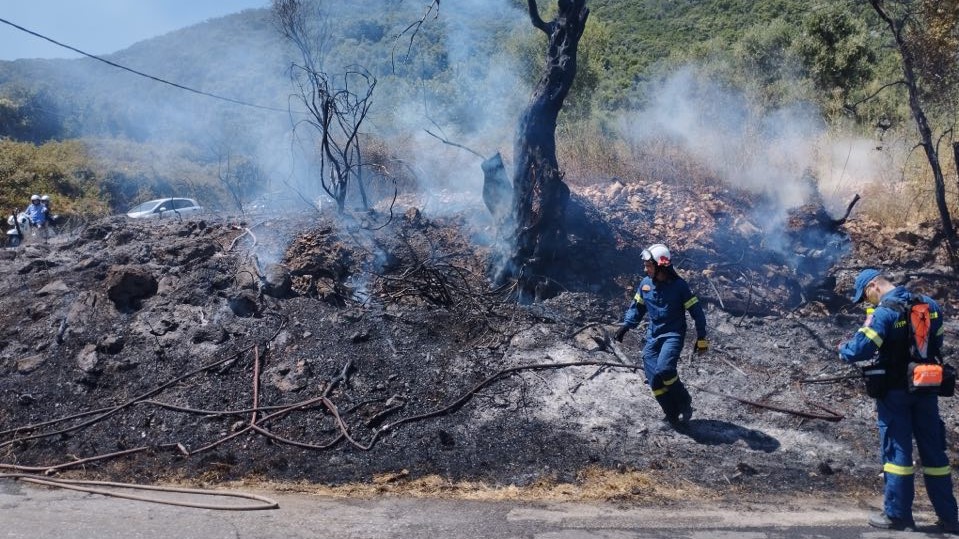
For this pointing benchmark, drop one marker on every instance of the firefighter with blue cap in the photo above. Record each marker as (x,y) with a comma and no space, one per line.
(665,297)
(903,413)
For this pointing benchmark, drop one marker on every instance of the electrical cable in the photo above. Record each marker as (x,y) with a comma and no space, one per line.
(140,73)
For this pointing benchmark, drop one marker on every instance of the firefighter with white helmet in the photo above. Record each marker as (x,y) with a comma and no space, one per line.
(36,212)
(51,218)
(665,297)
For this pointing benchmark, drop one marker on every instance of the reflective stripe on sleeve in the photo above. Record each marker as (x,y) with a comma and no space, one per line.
(937,471)
(692,301)
(658,392)
(896,469)
(639,299)
(671,381)
(933,315)
(872,335)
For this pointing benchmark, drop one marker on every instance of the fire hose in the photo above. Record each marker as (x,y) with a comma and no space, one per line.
(828,415)
(90,487)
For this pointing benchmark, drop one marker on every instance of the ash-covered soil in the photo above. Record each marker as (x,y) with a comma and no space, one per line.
(333,350)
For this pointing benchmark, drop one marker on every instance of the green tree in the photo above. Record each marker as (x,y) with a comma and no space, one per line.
(837,54)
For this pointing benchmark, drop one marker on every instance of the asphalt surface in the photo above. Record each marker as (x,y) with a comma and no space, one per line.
(38,512)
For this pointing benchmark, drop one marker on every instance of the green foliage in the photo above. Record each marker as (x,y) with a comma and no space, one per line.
(465,70)
(835,49)
(29,114)
(62,170)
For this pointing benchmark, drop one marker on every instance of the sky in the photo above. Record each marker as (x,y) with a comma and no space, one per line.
(101,26)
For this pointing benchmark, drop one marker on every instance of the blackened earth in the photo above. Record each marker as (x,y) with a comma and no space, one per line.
(137,351)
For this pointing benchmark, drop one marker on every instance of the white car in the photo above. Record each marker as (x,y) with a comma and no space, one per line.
(165,207)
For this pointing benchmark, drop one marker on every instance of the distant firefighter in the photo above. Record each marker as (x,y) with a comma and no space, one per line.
(665,297)
(36,211)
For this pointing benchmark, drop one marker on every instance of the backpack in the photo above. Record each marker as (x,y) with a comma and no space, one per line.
(917,316)
(926,370)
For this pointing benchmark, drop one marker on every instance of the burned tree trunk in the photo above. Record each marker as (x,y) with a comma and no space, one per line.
(539,194)
(899,32)
(955,158)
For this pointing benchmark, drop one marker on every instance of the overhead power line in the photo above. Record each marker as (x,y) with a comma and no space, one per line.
(140,73)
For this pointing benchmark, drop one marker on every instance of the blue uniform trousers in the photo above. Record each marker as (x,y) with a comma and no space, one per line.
(902,415)
(660,357)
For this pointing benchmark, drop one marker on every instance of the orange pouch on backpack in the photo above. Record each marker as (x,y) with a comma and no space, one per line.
(926,376)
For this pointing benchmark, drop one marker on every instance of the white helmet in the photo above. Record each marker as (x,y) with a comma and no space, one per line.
(34,198)
(45,198)
(658,254)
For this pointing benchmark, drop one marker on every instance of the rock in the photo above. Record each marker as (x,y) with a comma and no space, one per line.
(83,309)
(167,284)
(111,344)
(209,334)
(36,265)
(85,264)
(288,378)
(88,360)
(56,287)
(244,304)
(277,282)
(128,286)
(29,364)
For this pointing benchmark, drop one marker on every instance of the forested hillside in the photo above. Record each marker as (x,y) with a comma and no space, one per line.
(466,71)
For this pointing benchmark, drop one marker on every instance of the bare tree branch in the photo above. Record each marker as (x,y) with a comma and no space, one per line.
(536,19)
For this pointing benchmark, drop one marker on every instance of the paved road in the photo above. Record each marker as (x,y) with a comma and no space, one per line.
(35,512)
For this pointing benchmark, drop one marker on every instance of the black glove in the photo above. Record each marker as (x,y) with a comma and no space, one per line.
(620,333)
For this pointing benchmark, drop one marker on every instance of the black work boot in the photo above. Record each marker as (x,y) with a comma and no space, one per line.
(888,523)
(947,527)
(685,405)
(669,408)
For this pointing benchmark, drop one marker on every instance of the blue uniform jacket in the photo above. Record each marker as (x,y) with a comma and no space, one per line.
(885,333)
(37,213)
(666,303)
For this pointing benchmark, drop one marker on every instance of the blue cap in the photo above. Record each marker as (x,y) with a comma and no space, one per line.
(865,276)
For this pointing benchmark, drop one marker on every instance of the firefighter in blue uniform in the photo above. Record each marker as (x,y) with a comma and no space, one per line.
(665,297)
(903,414)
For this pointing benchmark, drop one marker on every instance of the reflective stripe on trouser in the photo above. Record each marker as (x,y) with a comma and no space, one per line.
(660,357)
(672,397)
(901,416)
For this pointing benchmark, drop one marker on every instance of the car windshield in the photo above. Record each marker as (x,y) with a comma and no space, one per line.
(146,206)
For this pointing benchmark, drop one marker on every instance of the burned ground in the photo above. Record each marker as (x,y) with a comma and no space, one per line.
(314,350)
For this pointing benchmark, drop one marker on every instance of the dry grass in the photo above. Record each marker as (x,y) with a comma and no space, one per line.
(897,189)
(588,157)
(904,193)
(592,484)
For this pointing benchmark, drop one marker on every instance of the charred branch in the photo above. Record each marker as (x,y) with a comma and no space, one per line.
(836,223)
(336,106)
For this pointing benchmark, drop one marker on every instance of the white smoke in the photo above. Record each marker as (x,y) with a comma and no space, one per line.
(762,151)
